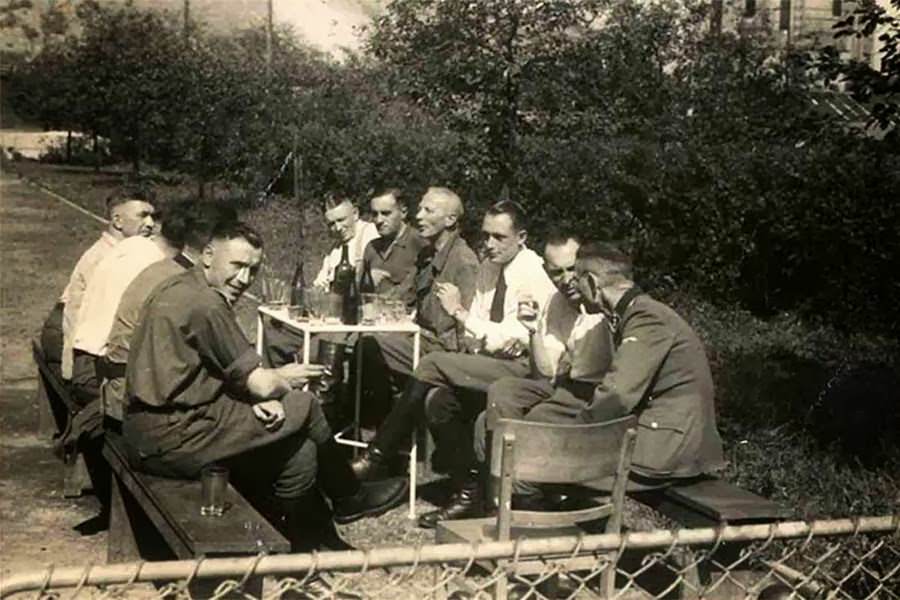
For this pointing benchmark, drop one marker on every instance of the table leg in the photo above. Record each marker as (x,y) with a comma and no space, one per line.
(357,396)
(414,449)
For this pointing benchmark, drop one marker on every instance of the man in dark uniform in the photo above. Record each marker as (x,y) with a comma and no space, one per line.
(391,257)
(198,395)
(659,372)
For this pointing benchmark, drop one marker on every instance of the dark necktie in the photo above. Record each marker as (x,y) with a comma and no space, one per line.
(499,299)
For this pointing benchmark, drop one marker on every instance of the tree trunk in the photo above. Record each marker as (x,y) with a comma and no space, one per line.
(96,142)
(68,146)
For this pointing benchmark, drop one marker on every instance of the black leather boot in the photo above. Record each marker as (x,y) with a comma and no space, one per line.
(373,498)
(352,500)
(307,523)
(465,503)
(371,465)
(396,430)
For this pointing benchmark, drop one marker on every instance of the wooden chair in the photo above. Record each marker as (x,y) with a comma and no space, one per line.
(553,454)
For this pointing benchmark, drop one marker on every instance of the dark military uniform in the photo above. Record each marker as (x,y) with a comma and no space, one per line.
(660,373)
(188,405)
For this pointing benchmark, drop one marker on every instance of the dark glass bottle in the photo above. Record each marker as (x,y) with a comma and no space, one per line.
(298,287)
(367,297)
(345,286)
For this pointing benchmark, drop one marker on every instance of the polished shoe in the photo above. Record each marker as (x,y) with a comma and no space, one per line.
(373,498)
(464,504)
(371,465)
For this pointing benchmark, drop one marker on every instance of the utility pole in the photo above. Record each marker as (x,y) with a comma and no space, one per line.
(187,18)
(715,17)
(269,41)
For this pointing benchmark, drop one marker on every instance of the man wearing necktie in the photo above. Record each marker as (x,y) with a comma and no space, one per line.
(495,344)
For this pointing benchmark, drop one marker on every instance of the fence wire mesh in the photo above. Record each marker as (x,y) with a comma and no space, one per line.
(837,559)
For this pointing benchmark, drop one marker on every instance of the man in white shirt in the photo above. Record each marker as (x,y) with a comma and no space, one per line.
(346,228)
(101,300)
(130,212)
(571,350)
(497,341)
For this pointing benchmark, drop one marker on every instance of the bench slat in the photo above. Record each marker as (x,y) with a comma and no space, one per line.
(174,507)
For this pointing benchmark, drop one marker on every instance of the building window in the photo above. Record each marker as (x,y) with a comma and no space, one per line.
(784,19)
(749,8)
(837,8)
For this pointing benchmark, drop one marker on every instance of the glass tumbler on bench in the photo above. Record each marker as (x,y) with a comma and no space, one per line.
(213,489)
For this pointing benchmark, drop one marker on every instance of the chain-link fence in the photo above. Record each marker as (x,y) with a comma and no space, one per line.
(834,559)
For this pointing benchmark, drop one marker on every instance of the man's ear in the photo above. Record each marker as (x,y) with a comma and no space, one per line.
(207,256)
(595,289)
(116,219)
(523,236)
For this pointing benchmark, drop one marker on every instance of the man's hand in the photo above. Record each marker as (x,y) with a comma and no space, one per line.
(527,314)
(511,349)
(448,295)
(270,412)
(299,375)
(379,275)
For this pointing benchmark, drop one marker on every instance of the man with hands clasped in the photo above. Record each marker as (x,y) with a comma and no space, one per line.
(197,394)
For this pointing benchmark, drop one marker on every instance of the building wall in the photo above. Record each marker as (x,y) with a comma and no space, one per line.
(804,24)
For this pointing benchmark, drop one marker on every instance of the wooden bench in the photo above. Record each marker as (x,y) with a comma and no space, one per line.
(55,411)
(147,510)
(711,503)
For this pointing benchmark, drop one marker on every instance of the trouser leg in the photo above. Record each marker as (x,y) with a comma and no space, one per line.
(511,398)
(280,344)
(85,385)
(52,338)
(450,414)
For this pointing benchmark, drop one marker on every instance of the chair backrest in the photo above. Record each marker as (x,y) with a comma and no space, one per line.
(553,453)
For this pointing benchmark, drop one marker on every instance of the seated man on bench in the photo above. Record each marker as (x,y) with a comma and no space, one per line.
(659,372)
(197,395)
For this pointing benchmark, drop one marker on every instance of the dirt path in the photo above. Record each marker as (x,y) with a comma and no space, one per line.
(40,240)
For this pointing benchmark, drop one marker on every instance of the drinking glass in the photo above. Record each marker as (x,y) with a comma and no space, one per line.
(369,308)
(213,489)
(331,356)
(527,309)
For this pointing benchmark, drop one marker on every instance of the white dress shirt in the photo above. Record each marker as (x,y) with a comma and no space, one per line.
(364,232)
(74,292)
(586,337)
(525,277)
(108,282)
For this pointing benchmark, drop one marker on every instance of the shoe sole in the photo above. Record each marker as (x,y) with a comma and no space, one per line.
(395,501)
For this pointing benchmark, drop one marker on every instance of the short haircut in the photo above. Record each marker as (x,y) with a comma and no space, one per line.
(607,257)
(512,209)
(456,203)
(560,237)
(334,200)
(129,193)
(401,197)
(191,222)
(229,230)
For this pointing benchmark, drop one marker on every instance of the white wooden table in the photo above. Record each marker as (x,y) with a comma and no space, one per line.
(308,328)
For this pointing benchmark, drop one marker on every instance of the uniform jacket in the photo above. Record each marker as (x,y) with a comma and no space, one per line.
(660,373)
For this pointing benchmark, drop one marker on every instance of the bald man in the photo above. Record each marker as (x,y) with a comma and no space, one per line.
(446,258)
